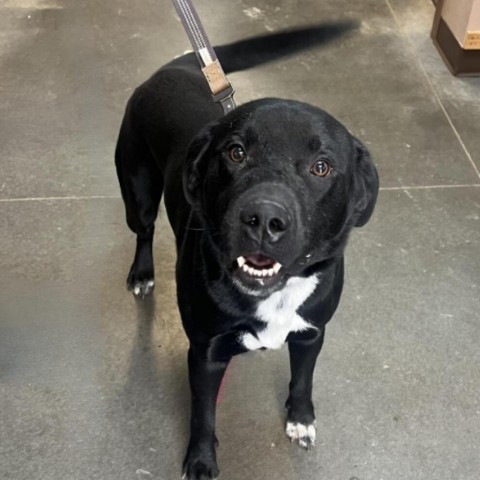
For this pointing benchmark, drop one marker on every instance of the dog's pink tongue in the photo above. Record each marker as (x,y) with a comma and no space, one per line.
(259,261)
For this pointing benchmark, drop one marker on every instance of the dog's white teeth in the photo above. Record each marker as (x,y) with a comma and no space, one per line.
(264,272)
(241,261)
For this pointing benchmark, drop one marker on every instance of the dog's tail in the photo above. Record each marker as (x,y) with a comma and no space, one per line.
(262,49)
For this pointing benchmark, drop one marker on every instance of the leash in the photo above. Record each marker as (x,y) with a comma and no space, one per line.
(222,90)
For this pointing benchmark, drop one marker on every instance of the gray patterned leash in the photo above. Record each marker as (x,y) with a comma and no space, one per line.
(222,90)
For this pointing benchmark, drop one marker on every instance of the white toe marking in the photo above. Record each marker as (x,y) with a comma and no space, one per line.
(305,435)
(141,471)
(144,287)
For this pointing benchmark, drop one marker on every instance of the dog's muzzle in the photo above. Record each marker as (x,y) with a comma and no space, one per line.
(264,233)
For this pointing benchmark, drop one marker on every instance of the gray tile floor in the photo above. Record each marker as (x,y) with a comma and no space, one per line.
(93,383)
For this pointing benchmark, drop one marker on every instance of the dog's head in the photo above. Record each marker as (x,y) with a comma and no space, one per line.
(278,184)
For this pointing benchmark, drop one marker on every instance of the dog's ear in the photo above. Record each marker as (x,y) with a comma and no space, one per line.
(191,171)
(365,185)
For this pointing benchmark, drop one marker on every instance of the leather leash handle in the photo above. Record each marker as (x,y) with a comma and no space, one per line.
(222,90)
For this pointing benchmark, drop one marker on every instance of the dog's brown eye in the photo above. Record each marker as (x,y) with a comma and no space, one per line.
(321,168)
(237,154)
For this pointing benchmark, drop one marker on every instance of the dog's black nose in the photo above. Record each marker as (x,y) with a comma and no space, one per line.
(265,220)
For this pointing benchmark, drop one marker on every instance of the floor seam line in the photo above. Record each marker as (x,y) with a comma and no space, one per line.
(434,91)
(112,197)
(46,199)
(430,187)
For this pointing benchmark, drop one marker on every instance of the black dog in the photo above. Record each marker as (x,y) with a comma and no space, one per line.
(261,202)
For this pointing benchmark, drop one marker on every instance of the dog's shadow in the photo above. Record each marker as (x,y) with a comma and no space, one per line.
(155,395)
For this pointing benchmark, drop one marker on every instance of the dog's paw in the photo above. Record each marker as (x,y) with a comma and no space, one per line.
(140,284)
(302,434)
(141,289)
(200,461)
(196,469)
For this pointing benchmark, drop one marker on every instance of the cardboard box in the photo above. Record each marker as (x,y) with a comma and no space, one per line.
(456,34)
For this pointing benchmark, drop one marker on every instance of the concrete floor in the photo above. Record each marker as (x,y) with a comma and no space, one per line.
(93,383)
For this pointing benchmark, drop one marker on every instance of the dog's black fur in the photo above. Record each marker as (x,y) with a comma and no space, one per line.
(274,180)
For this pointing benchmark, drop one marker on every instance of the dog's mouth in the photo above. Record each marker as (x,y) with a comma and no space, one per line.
(258,266)
(256,271)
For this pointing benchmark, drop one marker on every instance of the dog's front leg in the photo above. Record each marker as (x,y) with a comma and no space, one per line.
(301,416)
(205,377)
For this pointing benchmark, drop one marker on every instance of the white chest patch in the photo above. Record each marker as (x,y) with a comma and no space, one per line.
(279,312)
